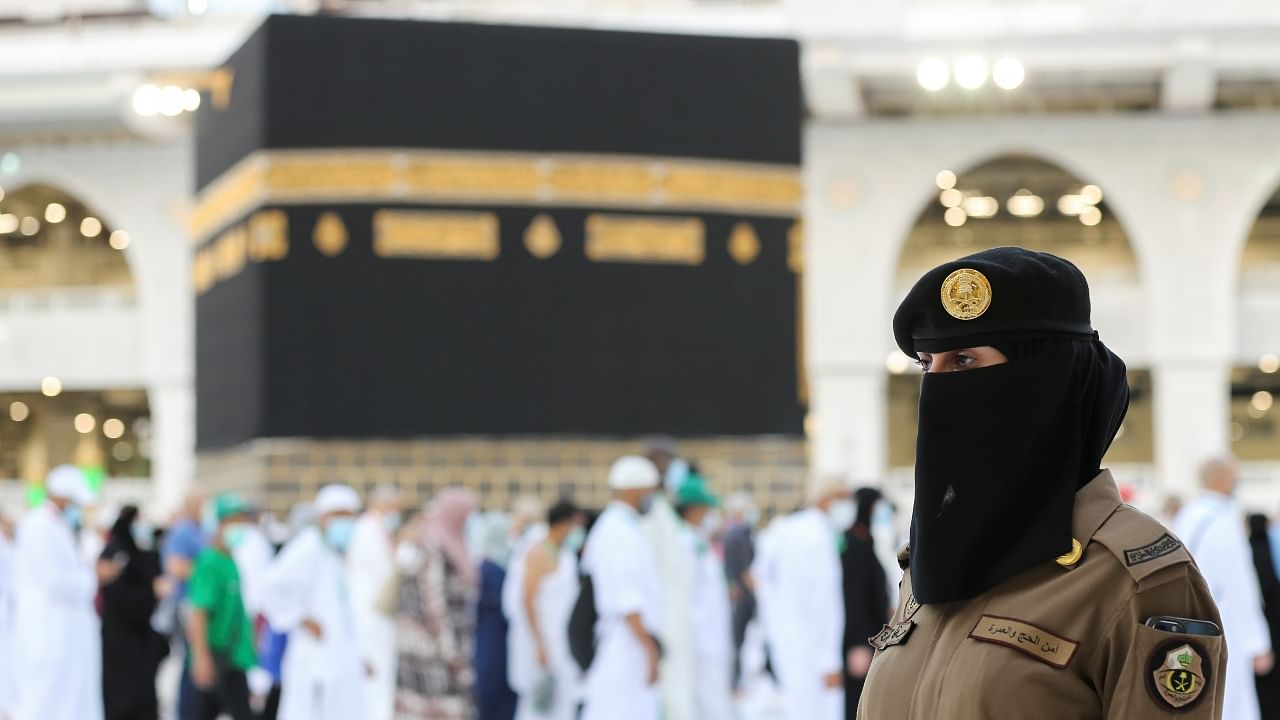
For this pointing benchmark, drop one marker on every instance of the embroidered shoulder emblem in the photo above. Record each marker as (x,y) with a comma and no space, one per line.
(890,635)
(1158,549)
(1180,673)
(911,608)
(1035,641)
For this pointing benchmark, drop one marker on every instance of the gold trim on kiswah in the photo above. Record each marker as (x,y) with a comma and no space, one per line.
(354,175)
(641,239)
(435,235)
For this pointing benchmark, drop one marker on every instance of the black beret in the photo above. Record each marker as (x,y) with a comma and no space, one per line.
(1002,294)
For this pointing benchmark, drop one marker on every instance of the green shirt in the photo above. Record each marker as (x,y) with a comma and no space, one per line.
(215,588)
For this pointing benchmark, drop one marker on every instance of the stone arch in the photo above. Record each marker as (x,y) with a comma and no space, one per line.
(98,262)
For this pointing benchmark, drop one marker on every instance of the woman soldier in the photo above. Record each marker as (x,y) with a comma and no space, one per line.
(1030,591)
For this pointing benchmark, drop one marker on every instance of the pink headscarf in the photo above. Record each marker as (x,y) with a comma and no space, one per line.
(446,528)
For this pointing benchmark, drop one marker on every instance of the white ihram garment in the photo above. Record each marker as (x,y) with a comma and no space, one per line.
(624,575)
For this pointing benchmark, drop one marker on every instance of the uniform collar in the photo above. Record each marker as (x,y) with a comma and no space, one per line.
(1095,502)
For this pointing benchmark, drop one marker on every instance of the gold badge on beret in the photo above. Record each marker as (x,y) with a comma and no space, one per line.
(1180,676)
(966,294)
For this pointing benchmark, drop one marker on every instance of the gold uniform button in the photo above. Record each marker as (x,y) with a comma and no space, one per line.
(1072,556)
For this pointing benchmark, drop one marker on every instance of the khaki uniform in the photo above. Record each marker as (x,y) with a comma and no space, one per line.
(1057,641)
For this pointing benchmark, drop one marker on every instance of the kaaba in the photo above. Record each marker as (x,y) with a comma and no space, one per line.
(469,247)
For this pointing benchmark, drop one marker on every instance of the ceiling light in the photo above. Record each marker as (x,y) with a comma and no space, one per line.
(897,363)
(1091,194)
(18,411)
(1269,363)
(146,100)
(1008,74)
(951,198)
(171,101)
(955,217)
(55,213)
(1025,204)
(113,428)
(932,74)
(190,100)
(1071,204)
(91,227)
(29,226)
(1262,400)
(51,387)
(1090,216)
(84,423)
(945,179)
(980,206)
(8,223)
(119,240)
(971,72)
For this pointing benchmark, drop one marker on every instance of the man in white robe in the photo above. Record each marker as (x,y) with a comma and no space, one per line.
(370,563)
(528,530)
(712,630)
(57,636)
(305,593)
(1212,528)
(547,592)
(804,606)
(622,681)
(8,690)
(677,567)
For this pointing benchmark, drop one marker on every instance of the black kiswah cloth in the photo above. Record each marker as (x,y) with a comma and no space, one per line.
(1002,450)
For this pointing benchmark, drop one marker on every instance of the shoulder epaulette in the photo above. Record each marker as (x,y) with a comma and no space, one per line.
(1141,544)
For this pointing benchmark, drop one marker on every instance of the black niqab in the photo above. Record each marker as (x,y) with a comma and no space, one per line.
(1000,454)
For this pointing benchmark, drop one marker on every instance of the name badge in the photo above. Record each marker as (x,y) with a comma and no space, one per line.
(890,635)
(1035,641)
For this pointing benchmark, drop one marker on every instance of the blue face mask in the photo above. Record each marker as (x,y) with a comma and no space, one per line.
(338,532)
(573,541)
(143,535)
(391,521)
(646,504)
(72,515)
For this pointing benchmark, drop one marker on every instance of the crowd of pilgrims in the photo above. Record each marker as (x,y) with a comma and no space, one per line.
(666,603)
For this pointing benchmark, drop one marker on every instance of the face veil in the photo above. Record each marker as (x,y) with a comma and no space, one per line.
(1000,454)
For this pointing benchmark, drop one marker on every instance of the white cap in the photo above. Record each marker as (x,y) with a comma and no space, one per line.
(336,498)
(69,483)
(631,472)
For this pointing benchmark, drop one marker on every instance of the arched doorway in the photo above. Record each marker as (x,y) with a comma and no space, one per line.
(67,297)
(1028,202)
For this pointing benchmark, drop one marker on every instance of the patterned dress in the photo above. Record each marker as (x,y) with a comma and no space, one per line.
(435,625)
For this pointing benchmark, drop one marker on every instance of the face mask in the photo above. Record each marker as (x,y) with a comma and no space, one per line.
(711,524)
(143,535)
(338,532)
(882,515)
(646,504)
(209,521)
(391,521)
(841,514)
(72,515)
(234,534)
(573,541)
(996,498)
